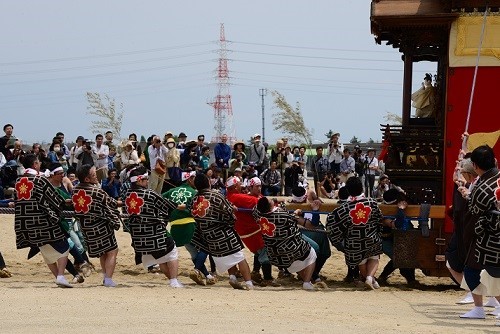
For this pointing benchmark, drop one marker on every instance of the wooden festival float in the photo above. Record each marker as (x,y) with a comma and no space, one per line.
(462,39)
(421,153)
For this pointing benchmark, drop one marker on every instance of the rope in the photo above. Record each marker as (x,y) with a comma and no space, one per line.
(475,72)
(70,214)
(64,214)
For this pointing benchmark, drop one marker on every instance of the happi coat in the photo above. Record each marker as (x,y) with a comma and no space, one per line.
(282,237)
(99,217)
(37,212)
(214,216)
(356,224)
(148,217)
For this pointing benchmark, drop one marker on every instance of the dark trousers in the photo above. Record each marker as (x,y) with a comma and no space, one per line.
(335,168)
(369,184)
(2,262)
(408,273)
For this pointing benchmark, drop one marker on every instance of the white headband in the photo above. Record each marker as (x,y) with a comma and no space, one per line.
(130,171)
(58,169)
(138,177)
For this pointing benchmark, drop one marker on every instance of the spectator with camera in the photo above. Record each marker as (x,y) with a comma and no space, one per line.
(327,186)
(335,153)
(188,156)
(278,155)
(384,185)
(371,170)
(257,153)
(158,165)
(235,163)
(239,148)
(85,154)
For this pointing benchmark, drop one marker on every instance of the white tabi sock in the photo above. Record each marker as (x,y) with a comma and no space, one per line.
(232,278)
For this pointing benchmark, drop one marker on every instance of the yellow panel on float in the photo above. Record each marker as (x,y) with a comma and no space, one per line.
(465,36)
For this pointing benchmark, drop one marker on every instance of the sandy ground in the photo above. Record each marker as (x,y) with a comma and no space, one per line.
(143,302)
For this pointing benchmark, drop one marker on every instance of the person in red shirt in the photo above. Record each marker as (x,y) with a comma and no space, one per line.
(248,229)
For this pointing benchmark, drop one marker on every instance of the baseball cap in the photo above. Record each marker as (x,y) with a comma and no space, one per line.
(257,135)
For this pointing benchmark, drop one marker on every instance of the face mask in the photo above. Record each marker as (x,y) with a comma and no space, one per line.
(170,145)
(57,149)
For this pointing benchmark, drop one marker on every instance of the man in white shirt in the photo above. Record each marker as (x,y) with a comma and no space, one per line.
(347,166)
(102,152)
(335,153)
(371,170)
(157,151)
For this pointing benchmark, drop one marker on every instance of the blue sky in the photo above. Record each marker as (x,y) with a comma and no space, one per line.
(159,58)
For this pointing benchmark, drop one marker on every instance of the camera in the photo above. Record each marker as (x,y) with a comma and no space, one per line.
(87,144)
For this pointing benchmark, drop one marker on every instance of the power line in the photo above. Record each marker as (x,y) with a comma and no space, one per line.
(87,67)
(125,53)
(107,87)
(109,91)
(321,66)
(313,85)
(316,57)
(21,106)
(308,47)
(317,66)
(318,79)
(107,74)
(322,92)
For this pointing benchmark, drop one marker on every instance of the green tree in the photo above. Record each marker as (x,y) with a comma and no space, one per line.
(354,140)
(109,114)
(329,134)
(289,120)
(370,141)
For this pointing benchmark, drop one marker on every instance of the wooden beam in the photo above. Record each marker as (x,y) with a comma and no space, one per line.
(437,211)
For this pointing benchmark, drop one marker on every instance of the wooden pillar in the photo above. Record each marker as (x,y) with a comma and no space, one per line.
(407,81)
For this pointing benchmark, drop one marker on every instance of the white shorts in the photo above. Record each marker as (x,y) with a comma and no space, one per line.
(50,255)
(223,263)
(148,260)
(298,265)
(376,257)
(490,283)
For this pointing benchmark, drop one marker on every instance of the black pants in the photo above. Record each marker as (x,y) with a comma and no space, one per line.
(369,183)
(408,273)
(2,262)
(335,168)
